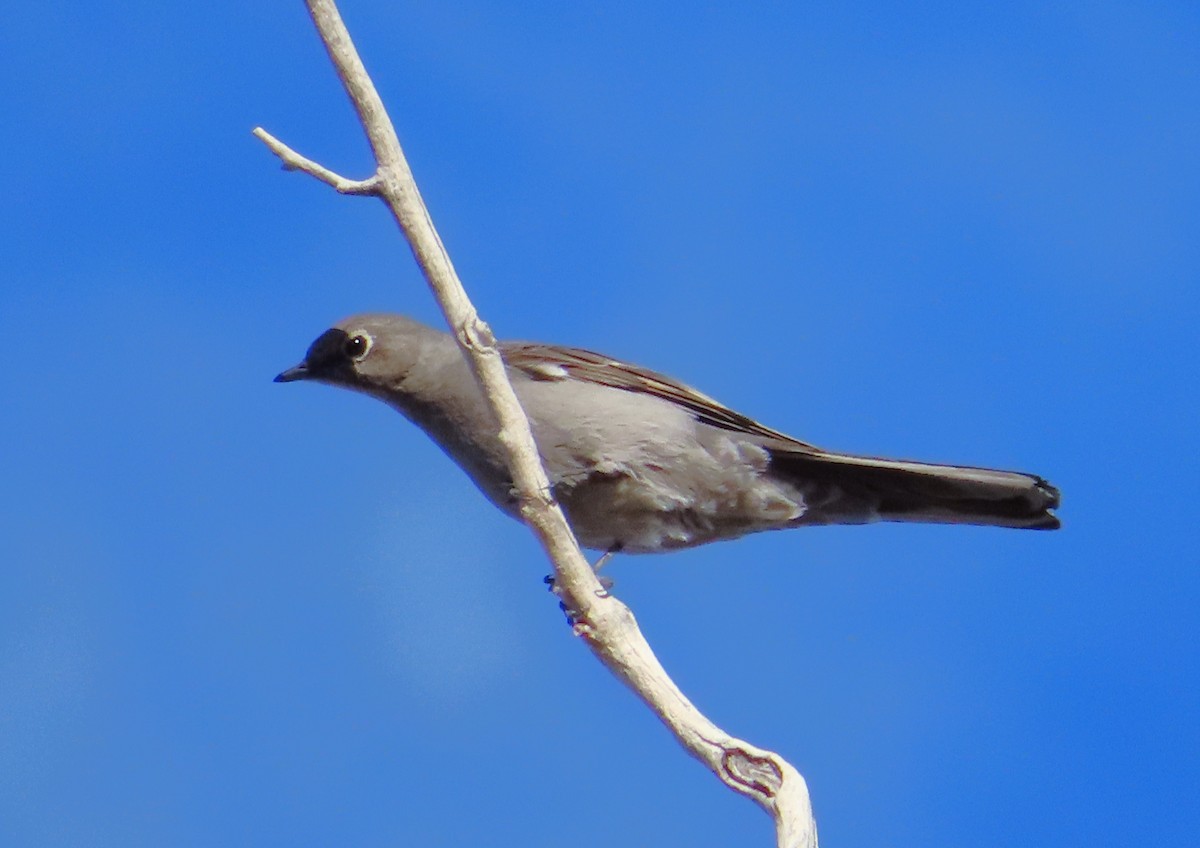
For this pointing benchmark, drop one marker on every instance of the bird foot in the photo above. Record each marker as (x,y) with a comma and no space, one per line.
(606,584)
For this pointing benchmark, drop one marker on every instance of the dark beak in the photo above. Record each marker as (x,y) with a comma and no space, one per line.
(299,372)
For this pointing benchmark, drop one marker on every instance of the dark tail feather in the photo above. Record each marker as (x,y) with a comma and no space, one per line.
(845,489)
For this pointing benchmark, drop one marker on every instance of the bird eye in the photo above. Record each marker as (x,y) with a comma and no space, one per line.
(357,346)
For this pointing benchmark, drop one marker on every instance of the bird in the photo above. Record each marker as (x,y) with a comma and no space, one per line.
(640,462)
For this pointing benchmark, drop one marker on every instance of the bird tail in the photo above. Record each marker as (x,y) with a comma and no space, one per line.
(847,489)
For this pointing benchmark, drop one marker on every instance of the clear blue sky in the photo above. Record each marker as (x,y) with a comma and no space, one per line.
(235,613)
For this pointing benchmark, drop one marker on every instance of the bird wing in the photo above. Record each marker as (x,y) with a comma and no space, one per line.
(551,362)
(896,490)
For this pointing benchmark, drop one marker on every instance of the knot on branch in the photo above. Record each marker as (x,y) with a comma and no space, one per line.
(532,506)
(475,334)
(751,773)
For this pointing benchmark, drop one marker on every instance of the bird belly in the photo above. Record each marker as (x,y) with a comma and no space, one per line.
(651,509)
(638,474)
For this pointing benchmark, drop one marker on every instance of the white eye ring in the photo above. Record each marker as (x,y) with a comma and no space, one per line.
(358,346)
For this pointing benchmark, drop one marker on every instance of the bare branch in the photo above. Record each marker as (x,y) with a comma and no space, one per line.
(606,625)
(293,161)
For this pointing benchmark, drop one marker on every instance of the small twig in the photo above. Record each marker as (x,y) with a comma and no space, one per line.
(605,624)
(293,161)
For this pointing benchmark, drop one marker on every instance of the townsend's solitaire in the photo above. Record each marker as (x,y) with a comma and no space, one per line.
(642,463)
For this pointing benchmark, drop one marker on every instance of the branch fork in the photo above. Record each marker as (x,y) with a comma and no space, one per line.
(293,161)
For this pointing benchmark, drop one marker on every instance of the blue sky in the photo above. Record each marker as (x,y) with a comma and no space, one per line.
(236,613)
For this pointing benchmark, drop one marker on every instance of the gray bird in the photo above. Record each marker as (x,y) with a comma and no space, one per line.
(642,463)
